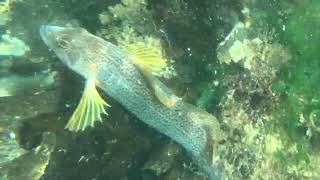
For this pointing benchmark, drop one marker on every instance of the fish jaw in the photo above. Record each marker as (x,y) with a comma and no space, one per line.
(54,38)
(50,36)
(71,46)
(47,31)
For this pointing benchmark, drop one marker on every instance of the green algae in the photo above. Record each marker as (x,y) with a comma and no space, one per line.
(298,112)
(279,101)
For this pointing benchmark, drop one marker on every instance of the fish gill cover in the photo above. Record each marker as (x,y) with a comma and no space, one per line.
(252,64)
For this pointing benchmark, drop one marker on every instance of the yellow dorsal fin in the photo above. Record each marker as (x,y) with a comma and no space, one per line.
(150,62)
(89,109)
(148,58)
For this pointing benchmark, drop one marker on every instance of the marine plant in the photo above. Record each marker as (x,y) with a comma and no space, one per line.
(298,113)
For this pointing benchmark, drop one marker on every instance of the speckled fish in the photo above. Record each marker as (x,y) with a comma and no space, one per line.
(126,74)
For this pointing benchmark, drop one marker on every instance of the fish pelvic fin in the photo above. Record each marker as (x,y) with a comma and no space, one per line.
(89,109)
(147,58)
(163,93)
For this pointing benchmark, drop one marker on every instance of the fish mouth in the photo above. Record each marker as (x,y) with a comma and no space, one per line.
(43,33)
(46,31)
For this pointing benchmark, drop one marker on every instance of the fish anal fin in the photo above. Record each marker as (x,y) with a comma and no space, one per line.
(89,109)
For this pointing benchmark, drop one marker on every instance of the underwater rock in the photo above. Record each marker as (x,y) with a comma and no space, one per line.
(31,165)
(185,172)
(27,16)
(255,51)
(5,11)
(15,111)
(5,65)
(11,46)
(242,154)
(17,108)
(4,18)
(162,160)
(14,85)
(132,13)
(5,6)
(188,31)
(9,146)
(167,163)
(128,23)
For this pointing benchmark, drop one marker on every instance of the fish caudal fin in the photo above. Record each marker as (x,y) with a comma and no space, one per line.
(89,109)
(148,59)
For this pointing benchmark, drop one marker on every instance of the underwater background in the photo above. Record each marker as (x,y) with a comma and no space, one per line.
(255,65)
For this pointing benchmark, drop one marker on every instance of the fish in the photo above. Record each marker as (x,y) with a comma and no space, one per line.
(127,73)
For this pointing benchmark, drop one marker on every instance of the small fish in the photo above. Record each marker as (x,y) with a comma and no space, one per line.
(126,74)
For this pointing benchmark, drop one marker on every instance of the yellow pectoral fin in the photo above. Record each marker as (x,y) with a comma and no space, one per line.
(89,109)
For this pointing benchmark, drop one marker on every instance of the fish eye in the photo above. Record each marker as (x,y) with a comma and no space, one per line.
(62,43)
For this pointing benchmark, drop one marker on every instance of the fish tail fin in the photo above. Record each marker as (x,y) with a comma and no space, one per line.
(212,127)
(213,134)
(213,174)
(89,109)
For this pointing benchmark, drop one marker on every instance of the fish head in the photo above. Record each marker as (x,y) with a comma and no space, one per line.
(71,45)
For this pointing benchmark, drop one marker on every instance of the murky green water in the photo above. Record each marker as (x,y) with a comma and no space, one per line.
(254,65)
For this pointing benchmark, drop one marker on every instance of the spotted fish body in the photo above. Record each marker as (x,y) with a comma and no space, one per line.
(90,56)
